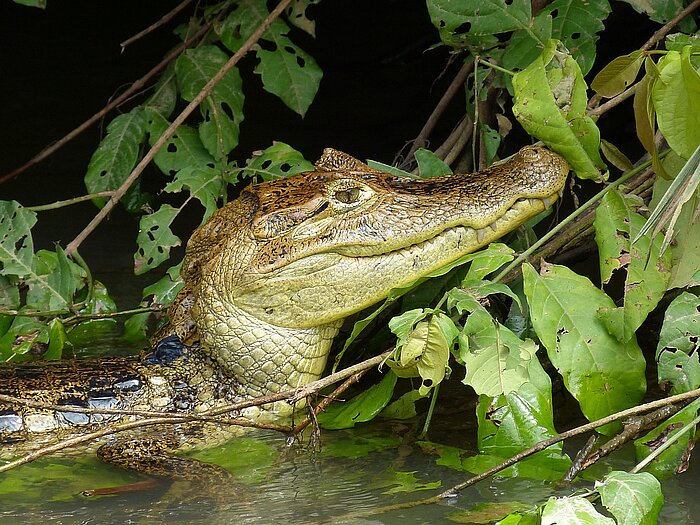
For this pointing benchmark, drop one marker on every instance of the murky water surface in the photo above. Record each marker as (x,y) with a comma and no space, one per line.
(357,471)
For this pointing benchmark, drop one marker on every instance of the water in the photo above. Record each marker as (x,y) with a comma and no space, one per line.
(357,471)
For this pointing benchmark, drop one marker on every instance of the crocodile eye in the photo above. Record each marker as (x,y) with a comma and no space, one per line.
(347,196)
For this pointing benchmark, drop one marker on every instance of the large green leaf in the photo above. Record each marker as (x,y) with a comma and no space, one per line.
(617,223)
(16,245)
(573,510)
(286,70)
(676,96)
(510,423)
(634,499)
(663,11)
(604,374)
(53,281)
(678,351)
(550,103)
(223,108)
(526,45)
(117,154)
(155,239)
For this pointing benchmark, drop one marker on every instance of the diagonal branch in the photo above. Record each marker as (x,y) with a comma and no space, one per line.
(170,131)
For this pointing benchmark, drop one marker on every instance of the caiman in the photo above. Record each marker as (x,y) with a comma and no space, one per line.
(269,279)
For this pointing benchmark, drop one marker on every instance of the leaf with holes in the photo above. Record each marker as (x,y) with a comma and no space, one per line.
(576,23)
(616,223)
(478,17)
(183,150)
(277,161)
(678,351)
(155,239)
(572,510)
(54,281)
(117,154)
(286,70)
(526,44)
(204,184)
(16,245)
(297,15)
(602,373)
(550,103)
(663,11)
(223,108)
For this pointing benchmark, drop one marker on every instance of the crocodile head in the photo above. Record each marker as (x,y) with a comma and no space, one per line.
(274,273)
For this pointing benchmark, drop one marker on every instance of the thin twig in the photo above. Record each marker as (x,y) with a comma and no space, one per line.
(174,418)
(440,108)
(135,88)
(163,20)
(170,131)
(658,35)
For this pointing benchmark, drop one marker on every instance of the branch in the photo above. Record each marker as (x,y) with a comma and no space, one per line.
(440,108)
(538,447)
(163,20)
(170,131)
(670,25)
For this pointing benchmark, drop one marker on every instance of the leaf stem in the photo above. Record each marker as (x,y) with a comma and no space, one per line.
(69,202)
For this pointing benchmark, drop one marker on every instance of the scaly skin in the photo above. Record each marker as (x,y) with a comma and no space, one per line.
(269,279)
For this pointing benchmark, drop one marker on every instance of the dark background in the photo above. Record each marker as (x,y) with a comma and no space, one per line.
(381,81)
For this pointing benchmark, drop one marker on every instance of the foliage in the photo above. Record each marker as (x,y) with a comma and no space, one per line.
(532,66)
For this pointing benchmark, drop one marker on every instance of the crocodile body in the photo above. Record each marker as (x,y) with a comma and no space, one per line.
(269,279)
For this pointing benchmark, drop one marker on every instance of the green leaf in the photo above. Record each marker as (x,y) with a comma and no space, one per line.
(296,14)
(634,499)
(576,23)
(425,350)
(686,234)
(662,11)
(678,350)
(478,17)
(526,44)
(117,154)
(277,161)
(54,281)
(16,245)
(22,337)
(550,103)
(602,373)
(496,360)
(574,510)
(430,165)
(489,260)
(363,407)
(223,108)
(614,156)
(511,423)
(183,150)
(617,76)
(57,340)
(204,184)
(487,512)
(388,168)
(166,288)
(616,224)
(136,328)
(287,71)
(155,239)
(164,95)
(676,96)
(41,4)
(674,459)
(406,482)
(404,407)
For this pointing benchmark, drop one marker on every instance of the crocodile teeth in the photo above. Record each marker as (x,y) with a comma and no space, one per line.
(480,234)
(547,201)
